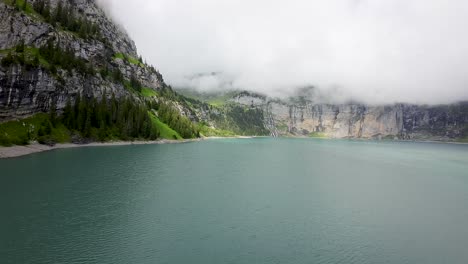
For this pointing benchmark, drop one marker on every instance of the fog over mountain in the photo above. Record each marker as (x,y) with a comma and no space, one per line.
(376,51)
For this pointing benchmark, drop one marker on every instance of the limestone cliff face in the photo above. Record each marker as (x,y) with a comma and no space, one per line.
(25,90)
(398,121)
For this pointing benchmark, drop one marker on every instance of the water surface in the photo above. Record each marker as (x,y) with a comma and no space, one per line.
(238,201)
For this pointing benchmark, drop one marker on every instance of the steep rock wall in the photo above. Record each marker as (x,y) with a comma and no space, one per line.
(397,121)
(25,91)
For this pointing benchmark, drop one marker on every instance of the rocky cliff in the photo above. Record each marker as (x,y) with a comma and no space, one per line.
(27,87)
(301,116)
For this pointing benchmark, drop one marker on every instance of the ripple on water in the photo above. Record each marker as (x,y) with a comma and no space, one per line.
(238,201)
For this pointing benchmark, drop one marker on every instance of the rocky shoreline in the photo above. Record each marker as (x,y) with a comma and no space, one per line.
(18,151)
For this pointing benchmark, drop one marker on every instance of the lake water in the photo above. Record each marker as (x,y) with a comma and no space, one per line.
(238,201)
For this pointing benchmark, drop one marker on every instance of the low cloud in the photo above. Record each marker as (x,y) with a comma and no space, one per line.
(376,51)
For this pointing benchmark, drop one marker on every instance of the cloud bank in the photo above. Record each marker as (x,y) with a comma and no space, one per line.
(376,51)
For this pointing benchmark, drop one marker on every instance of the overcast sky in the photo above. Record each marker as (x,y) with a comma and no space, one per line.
(371,50)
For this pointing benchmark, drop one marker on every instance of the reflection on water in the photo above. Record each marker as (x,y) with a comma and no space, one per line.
(238,201)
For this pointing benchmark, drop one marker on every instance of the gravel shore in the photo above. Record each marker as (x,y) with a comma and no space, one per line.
(17,151)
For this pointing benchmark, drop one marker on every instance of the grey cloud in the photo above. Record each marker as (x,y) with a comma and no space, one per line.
(375,51)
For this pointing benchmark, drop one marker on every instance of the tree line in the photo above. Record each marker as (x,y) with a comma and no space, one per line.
(248,120)
(58,57)
(104,119)
(18,57)
(53,57)
(115,118)
(100,120)
(65,16)
(169,115)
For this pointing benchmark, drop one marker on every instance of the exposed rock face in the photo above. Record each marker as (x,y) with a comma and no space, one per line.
(398,121)
(25,91)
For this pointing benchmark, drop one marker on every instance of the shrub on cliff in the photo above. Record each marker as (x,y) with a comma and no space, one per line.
(64,16)
(8,60)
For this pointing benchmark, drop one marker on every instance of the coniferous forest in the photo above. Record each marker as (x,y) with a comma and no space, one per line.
(100,120)
(118,118)
(64,15)
(90,119)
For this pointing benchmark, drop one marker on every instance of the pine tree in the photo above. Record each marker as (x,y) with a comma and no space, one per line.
(25,5)
(102,133)
(103,109)
(77,104)
(47,127)
(53,69)
(82,114)
(20,47)
(64,17)
(67,114)
(8,60)
(94,109)
(154,132)
(117,75)
(58,12)
(53,113)
(35,62)
(46,10)
(135,84)
(71,21)
(87,125)
(83,31)
(39,6)
(104,72)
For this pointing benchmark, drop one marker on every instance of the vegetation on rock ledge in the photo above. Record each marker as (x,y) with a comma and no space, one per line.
(50,57)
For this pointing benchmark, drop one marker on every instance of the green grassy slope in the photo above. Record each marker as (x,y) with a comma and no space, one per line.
(165,131)
(213,98)
(23,131)
(129,59)
(148,92)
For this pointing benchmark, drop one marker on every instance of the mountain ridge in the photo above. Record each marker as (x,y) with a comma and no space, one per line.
(308,115)
(56,54)
(67,59)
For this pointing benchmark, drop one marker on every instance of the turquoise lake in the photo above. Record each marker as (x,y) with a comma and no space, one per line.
(244,201)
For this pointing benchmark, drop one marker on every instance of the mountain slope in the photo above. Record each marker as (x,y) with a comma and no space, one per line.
(303,116)
(107,58)
(306,115)
(68,59)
